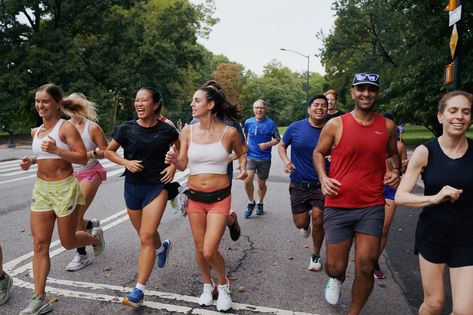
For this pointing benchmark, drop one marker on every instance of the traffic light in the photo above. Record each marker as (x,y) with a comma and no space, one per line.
(452,5)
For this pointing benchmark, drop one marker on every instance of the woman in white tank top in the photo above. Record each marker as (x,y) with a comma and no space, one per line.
(205,148)
(90,175)
(56,195)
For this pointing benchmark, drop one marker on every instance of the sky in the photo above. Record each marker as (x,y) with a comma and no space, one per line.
(251,32)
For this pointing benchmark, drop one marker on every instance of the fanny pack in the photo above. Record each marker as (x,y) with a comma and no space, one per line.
(208,197)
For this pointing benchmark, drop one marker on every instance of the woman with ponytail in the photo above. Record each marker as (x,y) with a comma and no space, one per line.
(56,194)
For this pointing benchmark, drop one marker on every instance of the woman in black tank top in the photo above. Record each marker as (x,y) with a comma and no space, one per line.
(444,234)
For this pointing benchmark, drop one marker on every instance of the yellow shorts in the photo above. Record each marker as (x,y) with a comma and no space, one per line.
(60,196)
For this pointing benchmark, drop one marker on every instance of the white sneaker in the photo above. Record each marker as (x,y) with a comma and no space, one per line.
(305,233)
(206,298)
(98,249)
(224,301)
(79,262)
(315,264)
(333,291)
(95,223)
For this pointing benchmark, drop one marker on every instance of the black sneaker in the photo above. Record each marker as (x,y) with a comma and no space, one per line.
(259,209)
(235,227)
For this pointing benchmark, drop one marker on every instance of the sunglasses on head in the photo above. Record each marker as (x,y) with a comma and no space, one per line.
(367,76)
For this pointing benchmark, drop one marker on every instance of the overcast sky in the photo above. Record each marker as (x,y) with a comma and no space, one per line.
(251,32)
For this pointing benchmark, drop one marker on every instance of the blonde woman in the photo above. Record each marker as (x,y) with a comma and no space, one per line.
(56,194)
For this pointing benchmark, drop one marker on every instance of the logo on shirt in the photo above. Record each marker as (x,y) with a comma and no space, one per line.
(378,132)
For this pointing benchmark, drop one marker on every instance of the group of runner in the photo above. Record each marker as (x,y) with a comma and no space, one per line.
(344,169)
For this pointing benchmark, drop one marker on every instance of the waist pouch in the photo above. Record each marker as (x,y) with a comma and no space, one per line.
(208,197)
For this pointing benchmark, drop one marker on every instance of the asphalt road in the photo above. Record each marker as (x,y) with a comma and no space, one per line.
(268,265)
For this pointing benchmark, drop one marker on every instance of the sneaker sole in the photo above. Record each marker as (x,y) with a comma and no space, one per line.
(9,287)
(97,251)
(126,302)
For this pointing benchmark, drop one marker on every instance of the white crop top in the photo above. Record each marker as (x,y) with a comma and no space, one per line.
(54,133)
(209,158)
(89,146)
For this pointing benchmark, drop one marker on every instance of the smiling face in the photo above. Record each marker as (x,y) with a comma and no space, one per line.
(318,110)
(200,105)
(332,101)
(364,96)
(456,116)
(46,106)
(259,109)
(145,107)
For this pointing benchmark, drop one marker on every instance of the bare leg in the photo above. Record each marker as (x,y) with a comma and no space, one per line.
(317,229)
(70,238)
(389,209)
(262,188)
(433,285)
(462,290)
(249,187)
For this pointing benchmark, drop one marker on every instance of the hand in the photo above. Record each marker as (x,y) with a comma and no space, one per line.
(392,179)
(330,186)
(133,166)
(243,174)
(263,146)
(25,163)
(447,192)
(404,163)
(168,174)
(289,167)
(171,155)
(49,145)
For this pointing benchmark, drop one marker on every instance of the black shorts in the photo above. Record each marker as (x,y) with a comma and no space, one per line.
(445,237)
(304,197)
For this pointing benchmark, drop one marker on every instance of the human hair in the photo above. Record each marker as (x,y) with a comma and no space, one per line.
(222,108)
(443,101)
(260,101)
(156,95)
(76,106)
(333,92)
(91,109)
(315,97)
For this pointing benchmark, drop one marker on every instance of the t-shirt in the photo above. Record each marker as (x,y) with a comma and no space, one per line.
(148,145)
(303,138)
(260,132)
(330,116)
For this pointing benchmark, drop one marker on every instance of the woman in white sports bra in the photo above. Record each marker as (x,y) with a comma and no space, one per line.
(205,149)
(90,175)
(56,194)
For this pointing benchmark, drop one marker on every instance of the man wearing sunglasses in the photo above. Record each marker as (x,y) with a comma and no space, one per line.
(359,143)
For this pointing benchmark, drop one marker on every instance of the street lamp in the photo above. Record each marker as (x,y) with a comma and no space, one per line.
(308,63)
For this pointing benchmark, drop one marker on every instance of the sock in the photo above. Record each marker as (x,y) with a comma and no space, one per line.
(140,287)
(89,225)
(251,202)
(2,275)
(82,251)
(160,250)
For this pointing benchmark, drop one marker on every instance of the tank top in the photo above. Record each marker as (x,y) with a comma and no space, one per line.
(442,170)
(54,133)
(358,162)
(211,158)
(89,146)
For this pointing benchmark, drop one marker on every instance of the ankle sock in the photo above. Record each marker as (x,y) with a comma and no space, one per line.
(89,225)
(2,275)
(82,251)
(140,287)
(160,250)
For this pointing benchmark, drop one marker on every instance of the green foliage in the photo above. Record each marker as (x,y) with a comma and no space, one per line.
(407,43)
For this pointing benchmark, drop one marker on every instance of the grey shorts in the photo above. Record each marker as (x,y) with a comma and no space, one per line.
(341,223)
(260,167)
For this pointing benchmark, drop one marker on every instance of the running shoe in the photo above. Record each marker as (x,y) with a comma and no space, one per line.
(333,291)
(305,231)
(259,209)
(100,246)
(224,301)
(315,264)
(95,222)
(249,210)
(134,298)
(37,306)
(6,285)
(163,256)
(234,229)
(377,272)
(79,262)
(206,298)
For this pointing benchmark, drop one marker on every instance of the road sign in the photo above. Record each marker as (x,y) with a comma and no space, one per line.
(453,40)
(454,16)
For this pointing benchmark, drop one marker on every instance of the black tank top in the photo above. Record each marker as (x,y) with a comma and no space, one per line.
(442,170)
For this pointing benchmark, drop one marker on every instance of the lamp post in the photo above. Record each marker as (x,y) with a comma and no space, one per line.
(308,63)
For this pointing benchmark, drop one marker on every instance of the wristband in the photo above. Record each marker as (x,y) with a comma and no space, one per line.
(94,152)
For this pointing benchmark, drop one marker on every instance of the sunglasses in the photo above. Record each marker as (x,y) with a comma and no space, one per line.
(367,76)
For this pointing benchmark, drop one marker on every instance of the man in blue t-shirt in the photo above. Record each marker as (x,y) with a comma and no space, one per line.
(304,189)
(261,135)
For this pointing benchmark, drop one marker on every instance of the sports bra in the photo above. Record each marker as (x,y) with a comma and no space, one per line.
(54,133)
(209,158)
(89,146)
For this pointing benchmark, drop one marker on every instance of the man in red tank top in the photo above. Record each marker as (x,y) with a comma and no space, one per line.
(359,143)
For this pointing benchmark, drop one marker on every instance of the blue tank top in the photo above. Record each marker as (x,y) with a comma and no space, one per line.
(442,170)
